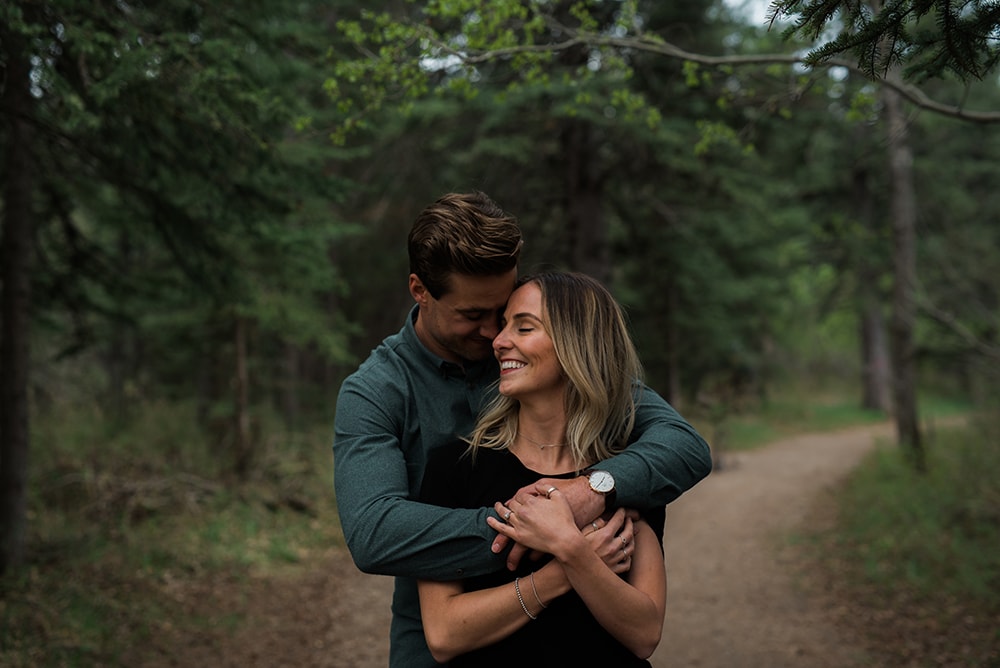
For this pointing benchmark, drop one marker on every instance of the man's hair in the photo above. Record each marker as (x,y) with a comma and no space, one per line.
(464,233)
(592,343)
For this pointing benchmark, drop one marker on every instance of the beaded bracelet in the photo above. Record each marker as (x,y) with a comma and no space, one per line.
(517,590)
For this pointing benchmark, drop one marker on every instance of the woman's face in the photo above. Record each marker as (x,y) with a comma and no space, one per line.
(528,363)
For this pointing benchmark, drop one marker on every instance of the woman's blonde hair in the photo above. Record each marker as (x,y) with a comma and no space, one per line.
(594,348)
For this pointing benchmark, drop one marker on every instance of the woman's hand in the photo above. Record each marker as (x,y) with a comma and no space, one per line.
(543,521)
(585,503)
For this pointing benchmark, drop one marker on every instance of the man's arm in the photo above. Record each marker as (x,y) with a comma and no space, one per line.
(665,457)
(386,532)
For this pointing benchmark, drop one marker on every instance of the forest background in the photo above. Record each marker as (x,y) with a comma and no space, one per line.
(204,217)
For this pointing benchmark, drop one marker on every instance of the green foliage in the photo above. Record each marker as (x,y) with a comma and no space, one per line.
(784,416)
(175,196)
(930,39)
(831,405)
(959,295)
(449,47)
(123,515)
(169,149)
(930,533)
(200,187)
(638,129)
(926,545)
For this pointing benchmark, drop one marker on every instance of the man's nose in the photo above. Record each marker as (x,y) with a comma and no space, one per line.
(489,330)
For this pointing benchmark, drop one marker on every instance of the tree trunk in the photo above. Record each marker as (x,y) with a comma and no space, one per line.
(291,408)
(242,444)
(120,353)
(876,373)
(15,301)
(903,212)
(588,233)
(672,341)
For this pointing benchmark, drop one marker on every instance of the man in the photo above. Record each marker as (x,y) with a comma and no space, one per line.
(424,385)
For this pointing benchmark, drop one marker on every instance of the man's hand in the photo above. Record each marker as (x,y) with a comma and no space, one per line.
(544,522)
(586,505)
(612,541)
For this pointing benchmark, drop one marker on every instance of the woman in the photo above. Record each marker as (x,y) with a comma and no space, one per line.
(568,374)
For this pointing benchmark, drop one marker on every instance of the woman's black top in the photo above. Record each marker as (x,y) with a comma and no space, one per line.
(565,633)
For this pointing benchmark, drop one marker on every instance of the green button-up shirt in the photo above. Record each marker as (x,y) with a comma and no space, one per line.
(402,402)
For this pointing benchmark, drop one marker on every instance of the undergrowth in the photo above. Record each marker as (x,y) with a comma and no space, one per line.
(122,517)
(798,409)
(117,515)
(916,553)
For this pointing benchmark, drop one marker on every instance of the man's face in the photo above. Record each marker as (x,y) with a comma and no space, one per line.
(462,323)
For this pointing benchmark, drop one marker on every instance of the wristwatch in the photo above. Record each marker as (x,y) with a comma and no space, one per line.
(603,483)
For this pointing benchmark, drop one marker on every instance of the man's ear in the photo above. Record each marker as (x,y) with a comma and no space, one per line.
(418,291)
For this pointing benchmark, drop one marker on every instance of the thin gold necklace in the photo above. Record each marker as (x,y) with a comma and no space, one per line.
(541,446)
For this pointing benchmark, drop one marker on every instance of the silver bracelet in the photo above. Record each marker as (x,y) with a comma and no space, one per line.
(532,578)
(517,590)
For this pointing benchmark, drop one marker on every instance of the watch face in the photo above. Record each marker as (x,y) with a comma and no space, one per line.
(601,481)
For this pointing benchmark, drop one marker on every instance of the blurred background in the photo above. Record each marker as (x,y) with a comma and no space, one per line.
(205,208)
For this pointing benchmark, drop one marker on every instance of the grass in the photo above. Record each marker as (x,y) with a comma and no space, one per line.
(929,531)
(801,409)
(118,517)
(916,554)
(123,519)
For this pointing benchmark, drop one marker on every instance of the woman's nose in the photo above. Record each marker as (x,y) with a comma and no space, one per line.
(500,341)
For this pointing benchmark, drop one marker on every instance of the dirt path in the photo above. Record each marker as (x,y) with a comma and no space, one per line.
(734,595)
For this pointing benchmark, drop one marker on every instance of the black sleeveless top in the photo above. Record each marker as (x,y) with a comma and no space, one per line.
(565,633)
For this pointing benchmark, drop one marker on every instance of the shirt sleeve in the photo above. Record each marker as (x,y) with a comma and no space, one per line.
(665,458)
(387,532)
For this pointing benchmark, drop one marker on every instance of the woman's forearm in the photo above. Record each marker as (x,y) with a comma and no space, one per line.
(631,610)
(457,622)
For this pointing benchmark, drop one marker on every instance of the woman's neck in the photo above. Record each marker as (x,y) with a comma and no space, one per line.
(540,442)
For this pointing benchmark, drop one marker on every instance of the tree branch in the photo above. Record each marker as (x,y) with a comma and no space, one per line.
(649,45)
(952,323)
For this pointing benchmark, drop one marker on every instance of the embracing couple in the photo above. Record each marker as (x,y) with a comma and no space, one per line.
(502,458)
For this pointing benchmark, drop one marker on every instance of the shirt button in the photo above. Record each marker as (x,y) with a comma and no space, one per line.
(459,572)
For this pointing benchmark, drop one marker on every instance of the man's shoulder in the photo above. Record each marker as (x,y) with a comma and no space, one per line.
(392,362)
(391,350)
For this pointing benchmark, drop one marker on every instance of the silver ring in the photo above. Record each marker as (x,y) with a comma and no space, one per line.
(594,524)
(624,542)
(507,515)
(548,494)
